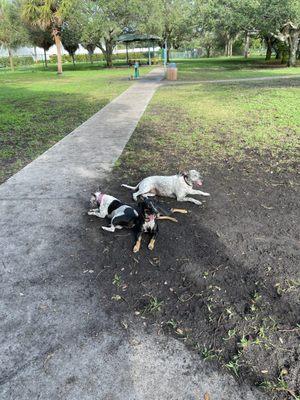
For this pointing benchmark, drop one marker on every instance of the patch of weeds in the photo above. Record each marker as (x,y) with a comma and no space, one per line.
(233,365)
(287,286)
(230,334)
(255,298)
(154,306)
(172,323)
(117,281)
(279,386)
(244,342)
(208,354)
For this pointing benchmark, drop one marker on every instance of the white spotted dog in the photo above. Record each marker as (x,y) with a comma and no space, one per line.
(178,186)
(121,215)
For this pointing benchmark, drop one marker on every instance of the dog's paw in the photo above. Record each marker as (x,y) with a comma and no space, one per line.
(90,212)
(136,249)
(151,246)
(198,203)
(205,194)
(108,228)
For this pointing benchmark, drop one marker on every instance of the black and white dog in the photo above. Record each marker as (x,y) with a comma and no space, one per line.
(121,215)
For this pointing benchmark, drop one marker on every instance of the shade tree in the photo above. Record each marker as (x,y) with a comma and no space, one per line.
(12,33)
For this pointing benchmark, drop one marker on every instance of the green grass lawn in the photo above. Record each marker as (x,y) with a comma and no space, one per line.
(207,123)
(230,68)
(38,107)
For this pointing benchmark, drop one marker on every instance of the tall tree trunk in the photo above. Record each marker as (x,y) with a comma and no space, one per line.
(226,49)
(247,45)
(108,53)
(35,55)
(168,54)
(73,59)
(278,53)
(293,42)
(58,49)
(207,48)
(11,60)
(230,44)
(45,58)
(269,49)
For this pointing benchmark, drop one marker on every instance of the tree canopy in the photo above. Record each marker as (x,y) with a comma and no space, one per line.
(210,24)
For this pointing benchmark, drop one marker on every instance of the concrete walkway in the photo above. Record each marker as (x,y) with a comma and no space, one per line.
(56,341)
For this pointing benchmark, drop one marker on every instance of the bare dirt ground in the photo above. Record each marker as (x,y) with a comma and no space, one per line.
(225,279)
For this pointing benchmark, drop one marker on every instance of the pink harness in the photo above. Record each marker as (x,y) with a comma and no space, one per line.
(100,198)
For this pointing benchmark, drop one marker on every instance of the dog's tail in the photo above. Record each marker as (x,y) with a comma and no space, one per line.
(130,187)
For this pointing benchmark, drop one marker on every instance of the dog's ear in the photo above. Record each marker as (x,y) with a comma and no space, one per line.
(183,173)
(140,198)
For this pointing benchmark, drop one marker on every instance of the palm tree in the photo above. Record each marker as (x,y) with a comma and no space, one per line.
(48,14)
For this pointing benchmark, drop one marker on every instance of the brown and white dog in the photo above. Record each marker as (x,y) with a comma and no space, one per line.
(178,186)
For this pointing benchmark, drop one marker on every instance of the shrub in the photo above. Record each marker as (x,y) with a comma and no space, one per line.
(142,58)
(18,61)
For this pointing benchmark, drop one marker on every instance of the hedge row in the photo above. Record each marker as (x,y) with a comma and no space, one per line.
(142,57)
(18,61)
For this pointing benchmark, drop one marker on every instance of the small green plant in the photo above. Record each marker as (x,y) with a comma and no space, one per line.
(117,297)
(208,354)
(233,365)
(153,306)
(230,334)
(244,342)
(229,312)
(173,323)
(117,281)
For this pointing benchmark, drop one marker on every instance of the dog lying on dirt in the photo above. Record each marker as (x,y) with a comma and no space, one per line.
(178,186)
(121,215)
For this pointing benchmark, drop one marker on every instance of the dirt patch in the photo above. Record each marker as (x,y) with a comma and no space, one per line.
(225,280)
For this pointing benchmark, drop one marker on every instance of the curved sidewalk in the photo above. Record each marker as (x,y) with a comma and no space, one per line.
(57,342)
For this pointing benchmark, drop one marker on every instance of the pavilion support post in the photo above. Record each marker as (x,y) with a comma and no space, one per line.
(127,60)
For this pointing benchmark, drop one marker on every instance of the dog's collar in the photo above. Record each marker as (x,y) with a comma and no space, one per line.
(184,177)
(99,199)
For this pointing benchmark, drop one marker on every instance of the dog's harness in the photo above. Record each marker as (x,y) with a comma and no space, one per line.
(100,199)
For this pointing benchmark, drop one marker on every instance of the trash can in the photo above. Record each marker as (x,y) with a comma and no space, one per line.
(171,72)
